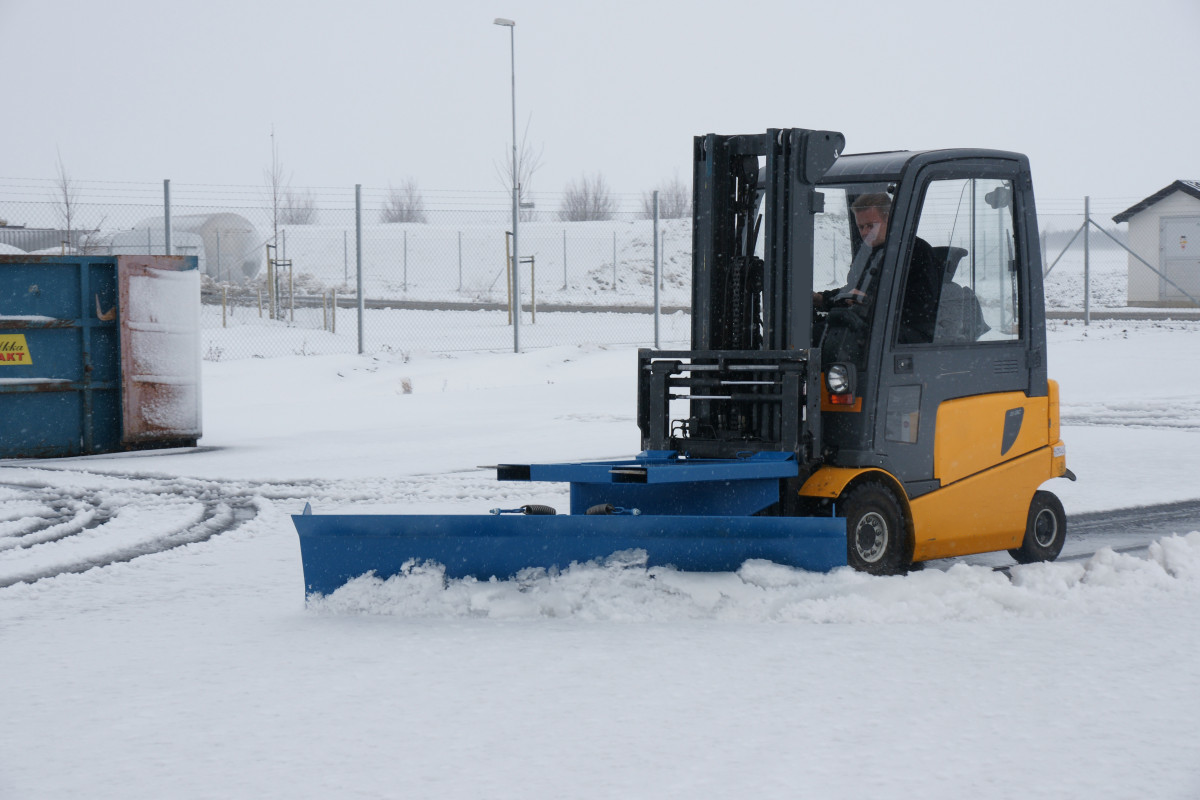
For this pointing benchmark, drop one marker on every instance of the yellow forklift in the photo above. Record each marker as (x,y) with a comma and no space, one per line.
(866,385)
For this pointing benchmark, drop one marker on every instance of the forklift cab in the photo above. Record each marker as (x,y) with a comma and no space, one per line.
(962,222)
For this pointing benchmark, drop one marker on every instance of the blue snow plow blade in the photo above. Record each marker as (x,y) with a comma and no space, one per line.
(700,515)
(338,548)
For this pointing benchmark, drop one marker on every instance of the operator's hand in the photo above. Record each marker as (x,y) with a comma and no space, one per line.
(849,297)
(855,297)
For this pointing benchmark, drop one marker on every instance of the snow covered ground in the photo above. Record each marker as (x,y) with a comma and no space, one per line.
(195,669)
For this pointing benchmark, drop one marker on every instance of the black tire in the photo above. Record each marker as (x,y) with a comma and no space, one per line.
(876,536)
(1045,530)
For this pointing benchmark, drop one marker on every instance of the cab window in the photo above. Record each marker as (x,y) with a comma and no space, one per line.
(962,284)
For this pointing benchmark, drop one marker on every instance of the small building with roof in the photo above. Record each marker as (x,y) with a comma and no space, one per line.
(1164,229)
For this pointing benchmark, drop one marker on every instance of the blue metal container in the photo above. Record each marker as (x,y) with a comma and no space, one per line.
(61,355)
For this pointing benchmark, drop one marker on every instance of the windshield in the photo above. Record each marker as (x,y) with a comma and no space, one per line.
(837,238)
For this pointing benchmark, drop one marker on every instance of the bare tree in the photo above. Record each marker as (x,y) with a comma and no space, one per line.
(66,204)
(277,184)
(66,198)
(528,162)
(298,208)
(288,206)
(404,204)
(674,200)
(589,199)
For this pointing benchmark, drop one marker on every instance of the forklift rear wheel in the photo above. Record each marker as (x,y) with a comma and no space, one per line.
(875,538)
(1045,530)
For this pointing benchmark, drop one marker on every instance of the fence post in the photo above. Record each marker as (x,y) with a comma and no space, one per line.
(1044,251)
(358,259)
(345,256)
(657,299)
(1087,220)
(271,278)
(564,258)
(508,279)
(460,261)
(516,261)
(406,261)
(614,261)
(167,217)
(662,257)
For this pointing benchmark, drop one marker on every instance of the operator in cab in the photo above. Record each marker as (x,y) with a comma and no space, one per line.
(849,308)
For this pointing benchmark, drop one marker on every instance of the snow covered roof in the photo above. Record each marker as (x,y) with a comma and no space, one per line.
(1188,187)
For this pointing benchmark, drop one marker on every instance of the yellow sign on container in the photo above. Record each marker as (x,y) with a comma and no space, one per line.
(14,351)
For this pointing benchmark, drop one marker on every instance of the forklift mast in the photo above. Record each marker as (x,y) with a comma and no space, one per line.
(739,301)
(746,376)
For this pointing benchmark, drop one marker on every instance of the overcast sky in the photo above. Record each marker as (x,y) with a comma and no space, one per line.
(1101,95)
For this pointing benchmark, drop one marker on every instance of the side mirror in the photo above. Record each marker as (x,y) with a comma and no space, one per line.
(1000,197)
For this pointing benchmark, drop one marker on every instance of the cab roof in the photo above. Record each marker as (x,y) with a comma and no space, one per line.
(891,165)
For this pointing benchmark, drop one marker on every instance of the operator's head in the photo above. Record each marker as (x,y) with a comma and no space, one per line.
(871,212)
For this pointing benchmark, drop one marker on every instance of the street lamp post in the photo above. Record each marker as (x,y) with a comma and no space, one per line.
(516,261)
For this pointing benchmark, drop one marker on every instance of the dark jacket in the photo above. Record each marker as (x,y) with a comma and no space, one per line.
(845,334)
(921,288)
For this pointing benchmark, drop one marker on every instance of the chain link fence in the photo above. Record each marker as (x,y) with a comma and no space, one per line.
(281,265)
(1089,259)
(281,268)
(1075,279)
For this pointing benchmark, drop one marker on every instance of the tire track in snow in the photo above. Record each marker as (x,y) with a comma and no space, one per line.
(36,521)
(78,529)
(1123,530)
(1176,413)
(50,525)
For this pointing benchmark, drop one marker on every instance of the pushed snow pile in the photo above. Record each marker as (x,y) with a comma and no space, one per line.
(622,588)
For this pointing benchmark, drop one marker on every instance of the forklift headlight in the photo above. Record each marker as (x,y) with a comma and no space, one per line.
(839,379)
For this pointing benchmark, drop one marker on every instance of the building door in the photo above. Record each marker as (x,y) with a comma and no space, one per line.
(1179,255)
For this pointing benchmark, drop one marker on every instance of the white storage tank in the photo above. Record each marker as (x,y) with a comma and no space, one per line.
(229,248)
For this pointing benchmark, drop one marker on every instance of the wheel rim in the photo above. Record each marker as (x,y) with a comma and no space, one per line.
(1045,528)
(871,536)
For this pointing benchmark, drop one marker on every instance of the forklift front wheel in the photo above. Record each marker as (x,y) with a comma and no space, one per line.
(1045,530)
(875,537)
